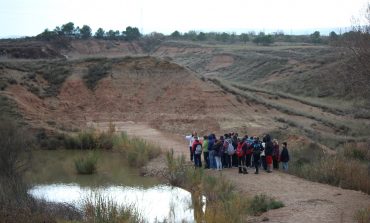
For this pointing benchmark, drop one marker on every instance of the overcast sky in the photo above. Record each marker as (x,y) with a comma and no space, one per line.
(31,17)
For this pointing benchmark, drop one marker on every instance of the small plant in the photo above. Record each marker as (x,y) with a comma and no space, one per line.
(176,170)
(137,151)
(359,152)
(363,215)
(262,203)
(87,140)
(88,164)
(104,210)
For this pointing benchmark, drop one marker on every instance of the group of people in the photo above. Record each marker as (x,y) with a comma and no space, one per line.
(230,150)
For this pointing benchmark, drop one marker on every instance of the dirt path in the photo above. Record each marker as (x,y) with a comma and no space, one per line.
(305,201)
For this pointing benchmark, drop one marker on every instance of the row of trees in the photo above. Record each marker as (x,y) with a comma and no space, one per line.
(69,30)
(260,39)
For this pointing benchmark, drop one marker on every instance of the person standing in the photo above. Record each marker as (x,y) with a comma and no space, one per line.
(205,152)
(257,149)
(269,150)
(197,151)
(284,157)
(276,154)
(241,155)
(190,139)
(211,152)
(218,149)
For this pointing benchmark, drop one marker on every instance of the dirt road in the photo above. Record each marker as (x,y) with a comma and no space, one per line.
(305,201)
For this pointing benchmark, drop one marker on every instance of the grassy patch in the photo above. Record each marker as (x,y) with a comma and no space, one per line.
(137,151)
(104,210)
(87,164)
(262,203)
(340,170)
(363,215)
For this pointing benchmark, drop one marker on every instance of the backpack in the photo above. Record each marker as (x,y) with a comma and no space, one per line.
(239,150)
(198,149)
(229,148)
(257,148)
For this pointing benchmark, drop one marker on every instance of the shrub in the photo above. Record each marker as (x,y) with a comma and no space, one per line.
(15,143)
(341,169)
(55,73)
(104,210)
(137,151)
(95,73)
(357,151)
(88,164)
(16,205)
(87,140)
(261,203)
(363,215)
(176,171)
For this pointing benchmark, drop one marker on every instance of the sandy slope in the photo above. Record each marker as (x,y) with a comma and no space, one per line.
(304,201)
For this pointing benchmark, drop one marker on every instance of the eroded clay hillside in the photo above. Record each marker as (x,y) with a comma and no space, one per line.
(141,89)
(185,86)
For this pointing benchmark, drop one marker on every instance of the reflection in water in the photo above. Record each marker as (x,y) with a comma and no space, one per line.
(157,203)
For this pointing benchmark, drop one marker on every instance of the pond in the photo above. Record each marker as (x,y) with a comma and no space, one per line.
(54,179)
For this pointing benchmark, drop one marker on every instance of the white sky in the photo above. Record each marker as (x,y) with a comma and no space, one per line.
(31,17)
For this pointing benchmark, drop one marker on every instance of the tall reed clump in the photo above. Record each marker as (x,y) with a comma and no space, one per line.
(349,168)
(87,164)
(100,209)
(363,215)
(16,205)
(176,169)
(222,202)
(137,151)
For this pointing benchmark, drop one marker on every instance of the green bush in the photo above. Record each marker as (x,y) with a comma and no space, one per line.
(88,164)
(262,203)
(137,151)
(96,72)
(87,140)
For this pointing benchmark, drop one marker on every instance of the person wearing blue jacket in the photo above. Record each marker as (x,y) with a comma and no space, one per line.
(211,152)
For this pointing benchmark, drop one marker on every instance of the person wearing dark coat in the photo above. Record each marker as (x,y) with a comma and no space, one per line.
(257,149)
(269,149)
(276,154)
(284,156)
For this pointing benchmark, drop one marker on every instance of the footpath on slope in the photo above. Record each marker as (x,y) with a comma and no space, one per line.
(304,201)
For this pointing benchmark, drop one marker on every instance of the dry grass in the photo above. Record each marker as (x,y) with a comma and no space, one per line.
(340,169)
(137,151)
(363,215)
(104,210)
